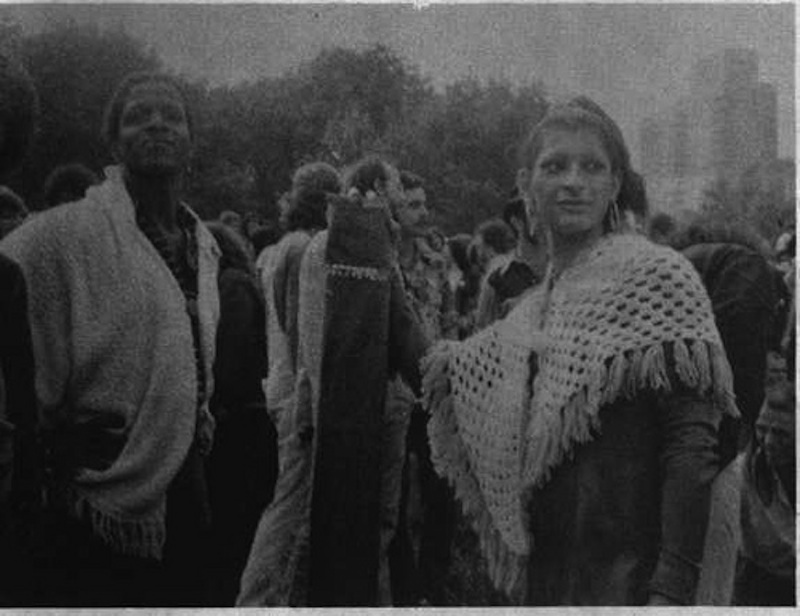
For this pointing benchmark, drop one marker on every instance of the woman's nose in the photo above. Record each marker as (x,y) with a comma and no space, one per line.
(572,177)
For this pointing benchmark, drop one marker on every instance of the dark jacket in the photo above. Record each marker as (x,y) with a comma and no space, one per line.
(627,515)
(744,300)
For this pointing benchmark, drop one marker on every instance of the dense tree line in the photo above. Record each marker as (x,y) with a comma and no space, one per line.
(340,105)
(251,136)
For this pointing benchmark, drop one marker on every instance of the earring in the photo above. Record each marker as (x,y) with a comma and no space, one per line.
(614,222)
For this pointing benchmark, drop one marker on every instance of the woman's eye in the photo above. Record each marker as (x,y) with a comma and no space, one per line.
(594,166)
(551,167)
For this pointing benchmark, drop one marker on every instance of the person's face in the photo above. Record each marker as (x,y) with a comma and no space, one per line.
(775,432)
(572,183)
(153,136)
(483,253)
(412,215)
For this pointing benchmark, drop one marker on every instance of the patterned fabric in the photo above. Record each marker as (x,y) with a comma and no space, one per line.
(510,403)
(181,259)
(427,289)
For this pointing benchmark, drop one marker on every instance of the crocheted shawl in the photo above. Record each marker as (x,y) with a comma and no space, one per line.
(605,329)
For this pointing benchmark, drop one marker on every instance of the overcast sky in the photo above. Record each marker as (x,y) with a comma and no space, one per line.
(632,58)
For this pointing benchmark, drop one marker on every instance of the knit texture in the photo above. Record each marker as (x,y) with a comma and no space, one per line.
(509,404)
(113,347)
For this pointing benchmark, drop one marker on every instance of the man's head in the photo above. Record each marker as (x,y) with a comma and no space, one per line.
(148,126)
(412,214)
(492,238)
(18,110)
(68,183)
(775,426)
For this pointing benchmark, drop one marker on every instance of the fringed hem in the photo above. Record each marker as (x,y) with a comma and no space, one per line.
(700,366)
(141,538)
(507,569)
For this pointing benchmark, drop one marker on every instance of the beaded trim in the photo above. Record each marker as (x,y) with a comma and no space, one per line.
(353,271)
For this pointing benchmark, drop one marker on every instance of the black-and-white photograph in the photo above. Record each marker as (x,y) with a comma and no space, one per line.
(413,305)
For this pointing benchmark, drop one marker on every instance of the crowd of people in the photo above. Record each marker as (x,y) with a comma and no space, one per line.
(219,413)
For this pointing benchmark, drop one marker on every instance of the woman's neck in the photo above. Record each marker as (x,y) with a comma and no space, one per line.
(156,199)
(567,248)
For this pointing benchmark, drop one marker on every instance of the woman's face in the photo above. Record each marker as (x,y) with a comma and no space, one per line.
(571,182)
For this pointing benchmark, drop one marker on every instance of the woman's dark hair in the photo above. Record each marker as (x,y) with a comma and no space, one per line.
(583,112)
(19,107)
(113,112)
(234,250)
(68,183)
(363,174)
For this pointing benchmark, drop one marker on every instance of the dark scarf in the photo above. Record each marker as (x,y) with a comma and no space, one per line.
(345,529)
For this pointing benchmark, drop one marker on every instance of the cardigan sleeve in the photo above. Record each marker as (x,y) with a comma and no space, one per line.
(38,248)
(689,463)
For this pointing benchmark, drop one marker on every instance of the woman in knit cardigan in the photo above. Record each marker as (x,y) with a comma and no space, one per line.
(580,433)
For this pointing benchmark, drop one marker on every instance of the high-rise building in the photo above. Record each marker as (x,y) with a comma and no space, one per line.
(726,124)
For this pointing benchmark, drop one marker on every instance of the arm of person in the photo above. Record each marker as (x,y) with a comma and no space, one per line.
(407,340)
(486,312)
(689,463)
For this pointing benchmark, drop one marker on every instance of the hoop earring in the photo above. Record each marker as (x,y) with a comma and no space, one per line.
(614,221)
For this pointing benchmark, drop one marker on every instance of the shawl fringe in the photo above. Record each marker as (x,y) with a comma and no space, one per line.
(141,538)
(552,436)
(506,568)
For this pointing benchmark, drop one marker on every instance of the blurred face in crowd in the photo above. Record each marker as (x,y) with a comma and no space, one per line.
(412,215)
(775,433)
(572,182)
(153,135)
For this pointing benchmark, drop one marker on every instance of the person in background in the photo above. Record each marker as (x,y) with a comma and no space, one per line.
(744,299)
(233,220)
(502,285)
(13,211)
(493,242)
(265,237)
(580,432)
(419,556)
(464,281)
(268,577)
(123,306)
(68,183)
(20,452)
(766,572)
(243,465)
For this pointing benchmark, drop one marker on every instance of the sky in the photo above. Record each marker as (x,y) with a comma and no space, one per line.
(633,58)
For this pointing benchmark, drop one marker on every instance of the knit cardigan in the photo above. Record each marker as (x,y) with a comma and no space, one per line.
(113,348)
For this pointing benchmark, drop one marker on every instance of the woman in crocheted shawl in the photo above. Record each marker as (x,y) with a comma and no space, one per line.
(580,432)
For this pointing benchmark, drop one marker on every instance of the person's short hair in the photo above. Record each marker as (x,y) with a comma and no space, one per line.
(11,204)
(662,225)
(68,183)
(232,246)
(363,174)
(410,180)
(316,176)
(113,112)
(19,108)
(497,235)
